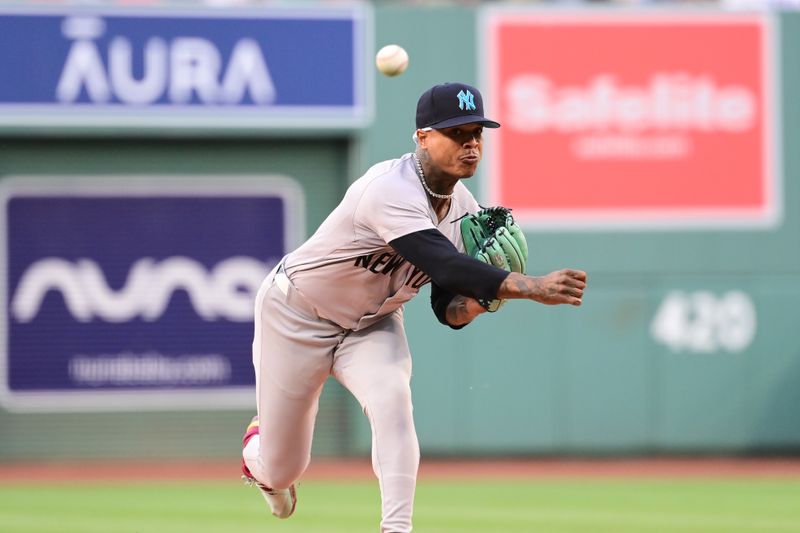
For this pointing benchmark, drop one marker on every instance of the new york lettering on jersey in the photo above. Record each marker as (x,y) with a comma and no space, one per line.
(387,263)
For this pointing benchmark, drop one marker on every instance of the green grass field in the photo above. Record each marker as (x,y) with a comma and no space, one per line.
(550,506)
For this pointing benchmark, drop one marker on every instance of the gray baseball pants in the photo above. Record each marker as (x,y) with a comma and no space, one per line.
(294,352)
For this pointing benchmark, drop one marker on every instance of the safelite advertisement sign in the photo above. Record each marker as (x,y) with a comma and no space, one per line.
(632,120)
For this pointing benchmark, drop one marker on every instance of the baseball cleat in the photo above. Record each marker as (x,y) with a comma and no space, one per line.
(282,502)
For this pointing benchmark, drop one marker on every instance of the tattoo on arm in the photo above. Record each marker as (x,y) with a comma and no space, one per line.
(457,313)
(522,286)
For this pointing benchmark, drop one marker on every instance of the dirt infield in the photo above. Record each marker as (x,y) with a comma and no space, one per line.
(358,469)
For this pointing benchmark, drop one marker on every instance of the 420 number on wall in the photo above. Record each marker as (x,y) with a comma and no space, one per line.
(704,322)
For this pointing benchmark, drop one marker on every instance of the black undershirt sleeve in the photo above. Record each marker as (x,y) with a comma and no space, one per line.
(451,271)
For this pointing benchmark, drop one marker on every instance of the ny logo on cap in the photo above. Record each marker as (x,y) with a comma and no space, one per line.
(466,101)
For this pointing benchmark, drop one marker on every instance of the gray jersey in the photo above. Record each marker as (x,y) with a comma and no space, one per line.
(346,270)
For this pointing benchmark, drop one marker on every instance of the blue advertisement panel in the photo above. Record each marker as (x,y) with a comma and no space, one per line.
(279,67)
(112,295)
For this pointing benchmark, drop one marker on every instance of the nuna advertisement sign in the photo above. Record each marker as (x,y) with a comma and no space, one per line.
(632,120)
(136,292)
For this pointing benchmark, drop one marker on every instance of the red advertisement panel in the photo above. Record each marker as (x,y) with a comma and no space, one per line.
(631,120)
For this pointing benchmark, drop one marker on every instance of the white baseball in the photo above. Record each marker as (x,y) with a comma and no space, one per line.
(391,60)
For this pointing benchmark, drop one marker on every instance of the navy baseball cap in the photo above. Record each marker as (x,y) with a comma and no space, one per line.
(451,104)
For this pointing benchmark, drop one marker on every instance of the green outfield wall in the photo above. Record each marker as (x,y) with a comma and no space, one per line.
(686,341)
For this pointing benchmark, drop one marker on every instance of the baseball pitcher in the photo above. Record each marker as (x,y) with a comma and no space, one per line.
(334,306)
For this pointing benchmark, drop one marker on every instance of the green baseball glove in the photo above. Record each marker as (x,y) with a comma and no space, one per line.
(492,236)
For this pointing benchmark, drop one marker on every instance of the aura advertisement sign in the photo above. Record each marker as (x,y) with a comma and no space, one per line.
(279,66)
